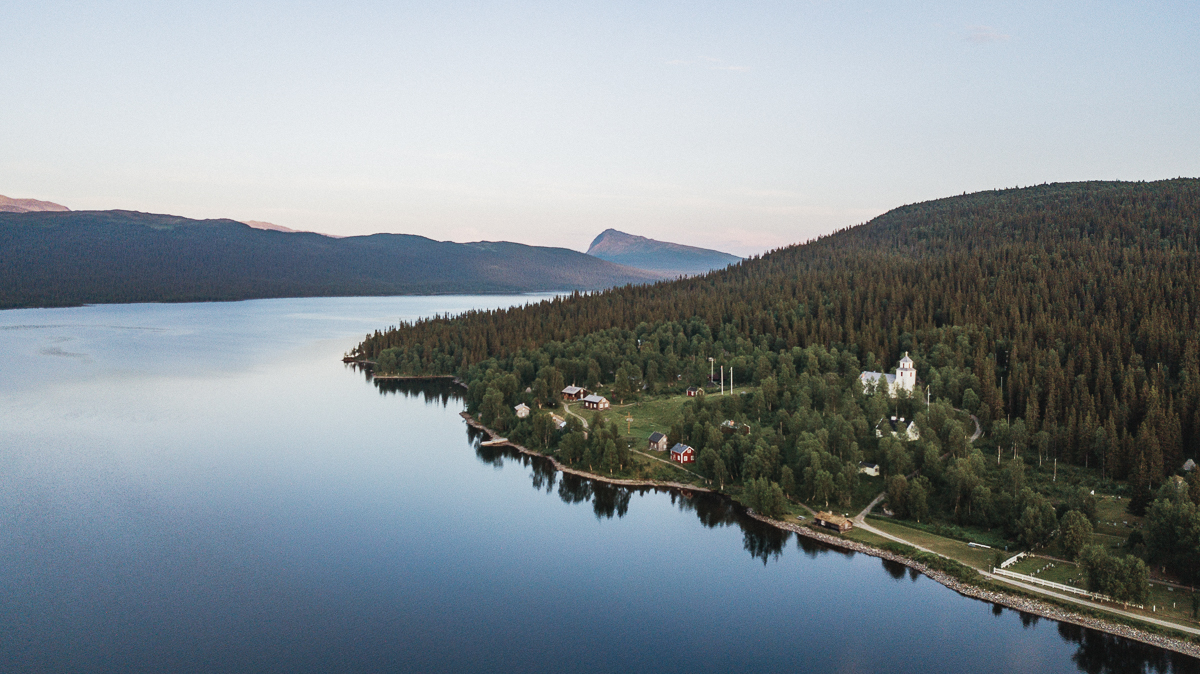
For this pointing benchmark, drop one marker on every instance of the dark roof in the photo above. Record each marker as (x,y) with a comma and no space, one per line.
(656,436)
(864,464)
(680,448)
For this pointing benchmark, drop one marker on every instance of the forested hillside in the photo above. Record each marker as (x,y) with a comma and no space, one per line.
(1062,316)
(70,258)
(1069,306)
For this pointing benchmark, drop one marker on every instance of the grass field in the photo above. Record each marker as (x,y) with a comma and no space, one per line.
(979,558)
(1051,570)
(648,415)
(864,536)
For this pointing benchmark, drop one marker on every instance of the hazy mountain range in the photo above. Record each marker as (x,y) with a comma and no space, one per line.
(53,256)
(671,259)
(81,257)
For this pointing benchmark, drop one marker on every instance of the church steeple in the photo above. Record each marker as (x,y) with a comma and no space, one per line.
(906,374)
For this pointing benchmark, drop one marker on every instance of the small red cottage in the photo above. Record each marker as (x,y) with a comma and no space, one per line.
(694,391)
(682,453)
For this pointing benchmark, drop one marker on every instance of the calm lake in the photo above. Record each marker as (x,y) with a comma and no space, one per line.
(206,487)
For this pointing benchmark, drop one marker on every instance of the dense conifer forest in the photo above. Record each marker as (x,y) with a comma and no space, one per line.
(1063,316)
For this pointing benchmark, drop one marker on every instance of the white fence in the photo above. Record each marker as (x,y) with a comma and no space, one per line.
(1012,560)
(1059,586)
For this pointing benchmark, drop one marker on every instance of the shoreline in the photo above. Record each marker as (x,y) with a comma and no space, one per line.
(1032,606)
(561,467)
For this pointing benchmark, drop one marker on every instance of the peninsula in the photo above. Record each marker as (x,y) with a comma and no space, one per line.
(1053,408)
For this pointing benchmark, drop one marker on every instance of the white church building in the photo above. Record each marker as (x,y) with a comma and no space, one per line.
(905,378)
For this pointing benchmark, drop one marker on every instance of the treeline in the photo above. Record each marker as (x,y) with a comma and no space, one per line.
(1070,307)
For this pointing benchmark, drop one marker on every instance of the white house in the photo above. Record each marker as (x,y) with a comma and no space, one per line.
(898,428)
(871,469)
(904,379)
(522,410)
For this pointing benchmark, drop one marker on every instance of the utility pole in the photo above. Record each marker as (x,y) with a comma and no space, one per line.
(927,396)
(711,364)
(722,380)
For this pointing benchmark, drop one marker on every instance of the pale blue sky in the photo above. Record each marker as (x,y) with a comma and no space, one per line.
(739,125)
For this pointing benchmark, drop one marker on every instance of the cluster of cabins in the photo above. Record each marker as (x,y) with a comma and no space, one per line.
(680,453)
(590,400)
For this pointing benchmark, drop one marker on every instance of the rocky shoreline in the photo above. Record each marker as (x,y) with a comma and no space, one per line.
(1027,605)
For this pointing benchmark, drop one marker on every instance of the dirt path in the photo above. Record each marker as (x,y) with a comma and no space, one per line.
(1090,604)
(669,463)
(567,409)
(860,518)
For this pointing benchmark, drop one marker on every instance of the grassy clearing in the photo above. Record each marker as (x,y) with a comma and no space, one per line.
(1065,573)
(864,536)
(978,558)
(650,414)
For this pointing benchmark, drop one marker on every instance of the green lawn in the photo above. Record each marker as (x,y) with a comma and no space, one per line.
(979,558)
(1065,573)
(864,536)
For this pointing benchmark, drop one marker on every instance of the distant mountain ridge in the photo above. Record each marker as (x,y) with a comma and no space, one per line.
(87,257)
(10,205)
(672,259)
(259,224)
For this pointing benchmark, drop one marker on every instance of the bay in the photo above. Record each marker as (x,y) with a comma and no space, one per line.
(207,487)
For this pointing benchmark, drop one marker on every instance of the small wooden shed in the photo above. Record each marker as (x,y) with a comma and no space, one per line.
(835,522)
(657,442)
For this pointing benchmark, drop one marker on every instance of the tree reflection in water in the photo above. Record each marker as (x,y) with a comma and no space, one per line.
(1098,652)
(1101,653)
(433,391)
(894,569)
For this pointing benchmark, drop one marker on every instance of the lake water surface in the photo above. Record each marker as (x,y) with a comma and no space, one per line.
(206,487)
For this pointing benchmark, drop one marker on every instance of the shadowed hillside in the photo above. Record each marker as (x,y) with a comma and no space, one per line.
(71,258)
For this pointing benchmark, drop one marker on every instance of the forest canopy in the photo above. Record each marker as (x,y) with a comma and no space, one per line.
(1070,307)
(1061,316)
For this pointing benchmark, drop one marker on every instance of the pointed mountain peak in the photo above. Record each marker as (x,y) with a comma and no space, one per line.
(670,258)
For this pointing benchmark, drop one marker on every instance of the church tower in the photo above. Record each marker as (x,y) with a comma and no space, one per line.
(906,374)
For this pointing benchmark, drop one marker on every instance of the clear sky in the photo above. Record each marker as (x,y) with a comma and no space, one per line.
(737,125)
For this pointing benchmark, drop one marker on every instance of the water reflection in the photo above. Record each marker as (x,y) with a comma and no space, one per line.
(894,569)
(431,390)
(1101,653)
(1098,652)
